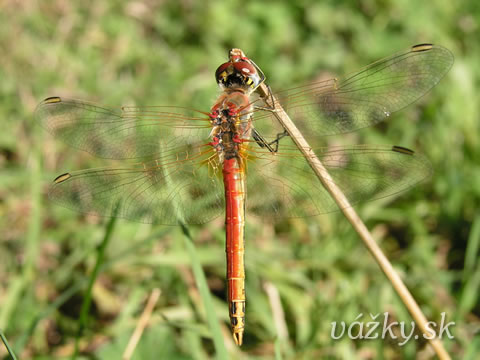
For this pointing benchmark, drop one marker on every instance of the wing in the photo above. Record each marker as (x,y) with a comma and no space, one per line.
(364,98)
(284,185)
(126,133)
(181,186)
(186,186)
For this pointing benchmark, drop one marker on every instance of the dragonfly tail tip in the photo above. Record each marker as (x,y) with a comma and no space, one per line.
(238,338)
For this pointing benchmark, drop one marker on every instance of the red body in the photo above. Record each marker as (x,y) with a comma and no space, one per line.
(230,116)
(233,178)
(231,120)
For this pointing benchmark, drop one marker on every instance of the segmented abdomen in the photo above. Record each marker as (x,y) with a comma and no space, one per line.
(234,180)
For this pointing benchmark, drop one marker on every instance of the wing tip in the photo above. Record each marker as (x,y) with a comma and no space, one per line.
(421,160)
(427,47)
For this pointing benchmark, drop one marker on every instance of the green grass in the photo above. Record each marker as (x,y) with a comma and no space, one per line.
(165,53)
(7,346)
(202,285)
(87,300)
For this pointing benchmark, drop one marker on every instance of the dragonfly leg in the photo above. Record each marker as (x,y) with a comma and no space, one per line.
(260,140)
(277,140)
(271,99)
(270,104)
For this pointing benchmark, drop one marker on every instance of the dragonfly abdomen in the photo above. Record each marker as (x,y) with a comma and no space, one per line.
(234,181)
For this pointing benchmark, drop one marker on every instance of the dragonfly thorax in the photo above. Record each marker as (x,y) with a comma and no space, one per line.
(230,118)
(227,136)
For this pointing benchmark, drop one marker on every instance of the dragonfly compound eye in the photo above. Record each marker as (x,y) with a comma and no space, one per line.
(237,74)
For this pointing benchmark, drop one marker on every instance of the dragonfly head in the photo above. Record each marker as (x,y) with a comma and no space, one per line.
(239,73)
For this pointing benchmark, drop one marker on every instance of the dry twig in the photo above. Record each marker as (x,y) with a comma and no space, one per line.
(353,218)
(142,323)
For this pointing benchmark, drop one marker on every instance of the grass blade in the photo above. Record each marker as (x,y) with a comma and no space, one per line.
(206,296)
(473,244)
(5,342)
(82,322)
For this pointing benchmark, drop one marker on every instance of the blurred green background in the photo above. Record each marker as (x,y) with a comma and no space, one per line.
(165,53)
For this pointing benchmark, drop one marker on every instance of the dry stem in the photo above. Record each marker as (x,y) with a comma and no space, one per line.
(353,218)
(142,323)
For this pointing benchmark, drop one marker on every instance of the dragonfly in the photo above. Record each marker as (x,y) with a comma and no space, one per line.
(184,166)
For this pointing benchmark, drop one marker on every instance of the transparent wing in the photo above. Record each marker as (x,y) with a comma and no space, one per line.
(181,186)
(186,186)
(284,185)
(364,98)
(126,133)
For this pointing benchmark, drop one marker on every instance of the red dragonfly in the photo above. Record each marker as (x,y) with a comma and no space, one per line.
(178,156)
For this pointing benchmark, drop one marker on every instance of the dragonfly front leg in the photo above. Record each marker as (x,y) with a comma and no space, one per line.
(260,140)
(268,101)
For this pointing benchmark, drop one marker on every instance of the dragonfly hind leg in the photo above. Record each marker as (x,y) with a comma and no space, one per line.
(262,142)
